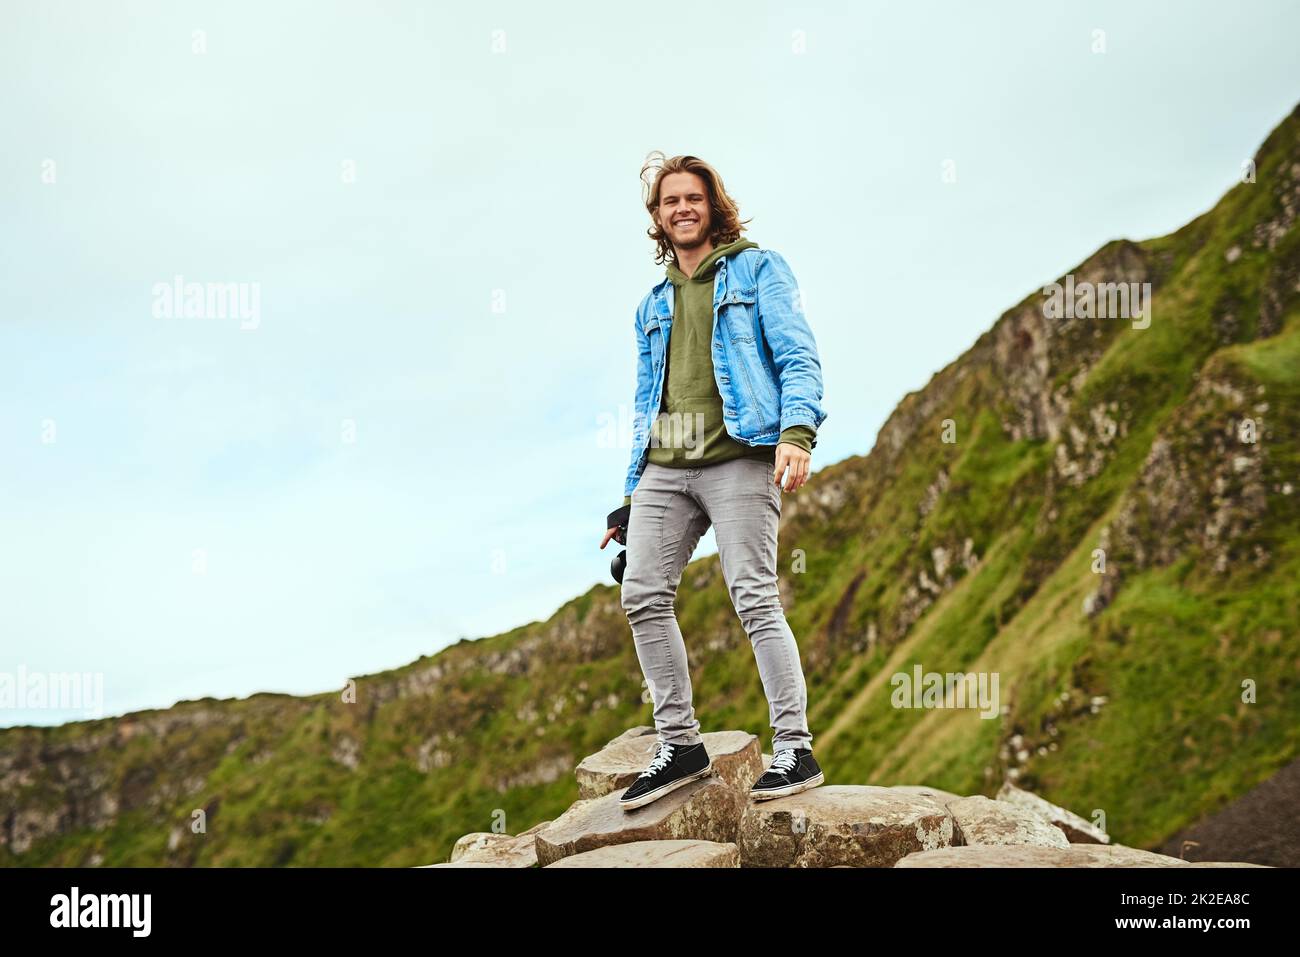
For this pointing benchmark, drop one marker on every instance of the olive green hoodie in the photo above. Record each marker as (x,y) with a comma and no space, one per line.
(690,394)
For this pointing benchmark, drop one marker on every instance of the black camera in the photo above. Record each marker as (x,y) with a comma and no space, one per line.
(619,519)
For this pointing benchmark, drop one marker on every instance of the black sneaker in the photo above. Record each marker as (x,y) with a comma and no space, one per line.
(674,766)
(791,771)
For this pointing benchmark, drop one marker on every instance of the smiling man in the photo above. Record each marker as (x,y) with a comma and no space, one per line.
(727,407)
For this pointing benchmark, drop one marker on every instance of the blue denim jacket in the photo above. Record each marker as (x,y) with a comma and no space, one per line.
(764,355)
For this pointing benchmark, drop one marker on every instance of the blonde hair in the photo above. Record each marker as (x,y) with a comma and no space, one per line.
(726,225)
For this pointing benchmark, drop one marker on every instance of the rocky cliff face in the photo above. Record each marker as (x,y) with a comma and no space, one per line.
(1101,512)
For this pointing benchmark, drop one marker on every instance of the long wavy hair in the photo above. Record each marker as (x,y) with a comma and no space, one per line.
(723,212)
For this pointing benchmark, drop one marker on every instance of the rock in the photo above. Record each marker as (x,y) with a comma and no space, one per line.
(943,797)
(656,854)
(714,822)
(736,755)
(853,825)
(631,734)
(1075,828)
(496,850)
(465,863)
(981,820)
(706,810)
(1029,855)
(1224,864)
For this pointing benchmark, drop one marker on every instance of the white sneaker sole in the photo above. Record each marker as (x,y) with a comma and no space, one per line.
(659,792)
(789,789)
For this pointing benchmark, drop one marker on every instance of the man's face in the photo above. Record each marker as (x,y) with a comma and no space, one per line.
(684,210)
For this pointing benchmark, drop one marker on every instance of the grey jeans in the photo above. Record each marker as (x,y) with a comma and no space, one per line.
(671,509)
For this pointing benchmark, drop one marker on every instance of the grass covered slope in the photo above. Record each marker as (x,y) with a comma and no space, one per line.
(1112,528)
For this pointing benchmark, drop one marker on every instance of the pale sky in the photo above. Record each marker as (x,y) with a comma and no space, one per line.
(440,211)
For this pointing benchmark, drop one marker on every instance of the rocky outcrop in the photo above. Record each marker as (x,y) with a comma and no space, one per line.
(1205,485)
(488,849)
(854,825)
(54,783)
(935,794)
(713,822)
(706,810)
(1042,362)
(1075,828)
(980,820)
(1032,855)
(656,854)
(737,760)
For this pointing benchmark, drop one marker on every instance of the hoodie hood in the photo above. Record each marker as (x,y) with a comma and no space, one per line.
(704,271)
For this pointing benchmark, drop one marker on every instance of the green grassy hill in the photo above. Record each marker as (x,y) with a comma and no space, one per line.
(1121,684)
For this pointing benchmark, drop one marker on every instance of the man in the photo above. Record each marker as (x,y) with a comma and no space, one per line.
(727,368)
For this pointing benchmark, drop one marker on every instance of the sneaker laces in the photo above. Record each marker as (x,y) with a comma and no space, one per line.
(661,761)
(784,761)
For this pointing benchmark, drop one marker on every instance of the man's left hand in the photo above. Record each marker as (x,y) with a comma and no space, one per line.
(798,462)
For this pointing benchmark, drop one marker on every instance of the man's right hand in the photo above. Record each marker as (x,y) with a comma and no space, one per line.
(617,521)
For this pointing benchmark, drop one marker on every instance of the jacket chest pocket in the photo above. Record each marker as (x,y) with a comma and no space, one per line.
(654,334)
(739,317)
